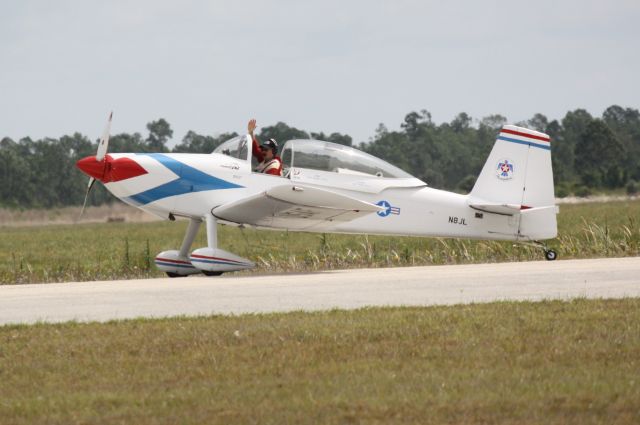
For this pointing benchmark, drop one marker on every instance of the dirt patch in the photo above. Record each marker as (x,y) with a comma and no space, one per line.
(117,211)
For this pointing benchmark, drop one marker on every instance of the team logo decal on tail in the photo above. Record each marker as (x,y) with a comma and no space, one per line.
(504,170)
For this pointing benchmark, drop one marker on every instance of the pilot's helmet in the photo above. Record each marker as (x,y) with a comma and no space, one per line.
(270,144)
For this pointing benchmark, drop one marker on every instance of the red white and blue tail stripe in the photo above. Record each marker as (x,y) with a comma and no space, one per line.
(525,137)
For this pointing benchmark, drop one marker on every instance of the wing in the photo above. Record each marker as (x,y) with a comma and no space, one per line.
(295,207)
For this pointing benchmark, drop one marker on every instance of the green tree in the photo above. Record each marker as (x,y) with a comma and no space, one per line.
(390,146)
(71,181)
(193,142)
(625,123)
(415,123)
(599,156)
(16,175)
(160,133)
(619,118)
(282,132)
(466,184)
(590,152)
(539,123)
(125,142)
(341,139)
(562,154)
(494,122)
(461,122)
(574,125)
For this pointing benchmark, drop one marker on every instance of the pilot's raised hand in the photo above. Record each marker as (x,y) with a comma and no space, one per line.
(251,126)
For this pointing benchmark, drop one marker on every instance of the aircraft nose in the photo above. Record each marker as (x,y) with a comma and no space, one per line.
(92,167)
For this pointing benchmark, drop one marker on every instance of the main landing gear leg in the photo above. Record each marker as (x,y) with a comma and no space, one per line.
(212,231)
(212,240)
(213,261)
(189,237)
(176,263)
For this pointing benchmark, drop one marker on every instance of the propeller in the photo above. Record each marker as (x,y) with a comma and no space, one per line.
(103,145)
(86,195)
(104,140)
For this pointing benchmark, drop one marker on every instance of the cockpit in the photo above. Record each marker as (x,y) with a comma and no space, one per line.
(331,157)
(325,163)
(238,147)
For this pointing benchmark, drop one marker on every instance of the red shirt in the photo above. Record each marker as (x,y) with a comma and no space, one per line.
(276,171)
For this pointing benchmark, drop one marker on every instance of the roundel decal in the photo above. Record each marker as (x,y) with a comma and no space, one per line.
(504,169)
(388,209)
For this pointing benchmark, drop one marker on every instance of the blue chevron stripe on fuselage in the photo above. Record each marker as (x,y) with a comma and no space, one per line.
(189,180)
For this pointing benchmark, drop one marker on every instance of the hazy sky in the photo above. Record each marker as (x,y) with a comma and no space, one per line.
(327,65)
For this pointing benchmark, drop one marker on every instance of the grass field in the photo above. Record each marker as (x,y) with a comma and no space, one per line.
(572,362)
(120,250)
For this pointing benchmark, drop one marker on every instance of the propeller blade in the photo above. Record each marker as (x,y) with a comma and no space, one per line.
(104,140)
(86,196)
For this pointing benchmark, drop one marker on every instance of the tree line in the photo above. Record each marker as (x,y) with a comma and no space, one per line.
(589,153)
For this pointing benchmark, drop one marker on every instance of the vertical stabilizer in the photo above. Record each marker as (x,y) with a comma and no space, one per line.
(517,179)
(518,171)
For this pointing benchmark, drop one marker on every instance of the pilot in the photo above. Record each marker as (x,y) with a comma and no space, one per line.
(266,154)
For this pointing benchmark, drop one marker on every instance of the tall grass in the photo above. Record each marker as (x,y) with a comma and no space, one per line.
(125,250)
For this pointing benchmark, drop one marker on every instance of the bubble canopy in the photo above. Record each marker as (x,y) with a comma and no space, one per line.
(237,147)
(332,157)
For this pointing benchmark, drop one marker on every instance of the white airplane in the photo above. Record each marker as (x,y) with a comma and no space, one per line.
(329,188)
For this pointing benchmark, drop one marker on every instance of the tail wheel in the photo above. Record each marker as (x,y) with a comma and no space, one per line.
(174,274)
(208,273)
(550,255)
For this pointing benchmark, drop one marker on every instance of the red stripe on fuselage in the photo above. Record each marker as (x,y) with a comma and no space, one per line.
(518,133)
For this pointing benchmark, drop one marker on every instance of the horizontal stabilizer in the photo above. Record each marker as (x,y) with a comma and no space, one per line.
(538,223)
(294,207)
(502,209)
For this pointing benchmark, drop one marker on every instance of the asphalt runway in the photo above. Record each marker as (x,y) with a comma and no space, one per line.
(344,289)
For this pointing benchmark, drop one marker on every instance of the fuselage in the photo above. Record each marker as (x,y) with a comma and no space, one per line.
(191,185)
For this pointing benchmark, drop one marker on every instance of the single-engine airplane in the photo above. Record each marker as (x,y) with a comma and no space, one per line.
(329,188)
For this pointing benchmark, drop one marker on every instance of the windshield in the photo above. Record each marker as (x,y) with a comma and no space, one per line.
(325,156)
(235,148)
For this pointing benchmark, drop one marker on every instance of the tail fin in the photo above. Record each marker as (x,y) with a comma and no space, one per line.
(518,177)
(518,171)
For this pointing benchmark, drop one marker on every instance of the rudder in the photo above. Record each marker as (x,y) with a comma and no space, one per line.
(518,170)
(518,177)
